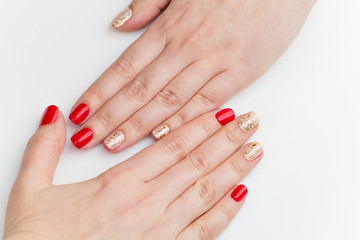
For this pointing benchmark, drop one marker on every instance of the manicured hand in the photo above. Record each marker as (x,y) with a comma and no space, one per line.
(182,187)
(192,59)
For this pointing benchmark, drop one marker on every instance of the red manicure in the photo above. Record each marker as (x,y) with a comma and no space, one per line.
(49,115)
(79,114)
(225,116)
(82,137)
(239,193)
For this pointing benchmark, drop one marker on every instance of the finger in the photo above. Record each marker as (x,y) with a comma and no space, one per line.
(213,95)
(210,189)
(118,75)
(133,96)
(44,148)
(138,14)
(214,221)
(171,149)
(163,105)
(210,154)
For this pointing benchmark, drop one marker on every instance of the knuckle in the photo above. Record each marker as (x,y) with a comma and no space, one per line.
(95,93)
(175,145)
(178,120)
(192,38)
(206,190)
(207,99)
(207,127)
(199,162)
(34,141)
(113,178)
(103,120)
(233,134)
(228,214)
(204,230)
(237,167)
(134,125)
(106,179)
(136,90)
(168,98)
(41,140)
(123,67)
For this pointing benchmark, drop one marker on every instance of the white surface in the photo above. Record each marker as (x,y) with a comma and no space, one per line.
(308,184)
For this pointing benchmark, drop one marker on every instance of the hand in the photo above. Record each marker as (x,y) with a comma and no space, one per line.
(192,59)
(178,188)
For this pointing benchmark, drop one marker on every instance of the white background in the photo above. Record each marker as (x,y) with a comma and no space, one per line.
(308,184)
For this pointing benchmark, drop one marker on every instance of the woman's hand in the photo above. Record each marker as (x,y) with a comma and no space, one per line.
(194,57)
(178,188)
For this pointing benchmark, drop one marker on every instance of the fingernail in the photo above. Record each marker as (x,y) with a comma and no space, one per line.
(79,114)
(160,131)
(253,151)
(114,140)
(225,116)
(49,115)
(82,137)
(248,121)
(122,18)
(239,193)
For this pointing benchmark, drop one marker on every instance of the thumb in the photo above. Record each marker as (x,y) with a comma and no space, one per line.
(44,148)
(138,14)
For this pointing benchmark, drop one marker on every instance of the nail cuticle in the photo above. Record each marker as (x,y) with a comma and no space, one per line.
(253,151)
(82,137)
(79,114)
(114,140)
(160,131)
(122,18)
(248,121)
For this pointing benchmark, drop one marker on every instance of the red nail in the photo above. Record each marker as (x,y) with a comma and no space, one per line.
(225,116)
(82,137)
(239,193)
(79,114)
(49,115)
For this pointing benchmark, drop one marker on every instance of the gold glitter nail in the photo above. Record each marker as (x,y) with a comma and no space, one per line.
(122,18)
(114,140)
(253,151)
(160,132)
(248,121)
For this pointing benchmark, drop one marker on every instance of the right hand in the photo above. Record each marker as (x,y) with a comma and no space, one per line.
(178,188)
(194,57)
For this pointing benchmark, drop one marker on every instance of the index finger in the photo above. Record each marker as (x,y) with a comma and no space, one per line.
(119,74)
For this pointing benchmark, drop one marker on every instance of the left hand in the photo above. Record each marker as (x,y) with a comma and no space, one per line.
(194,57)
(182,187)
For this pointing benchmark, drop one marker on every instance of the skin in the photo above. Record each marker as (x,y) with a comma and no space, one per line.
(194,168)
(194,57)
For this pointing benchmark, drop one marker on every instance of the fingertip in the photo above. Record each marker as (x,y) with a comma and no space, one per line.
(160,132)
(122,18)
(49,116)
(239,193)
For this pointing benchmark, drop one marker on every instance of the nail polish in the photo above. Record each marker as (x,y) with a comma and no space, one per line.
(253,151)
(114,140)
(79,114)
(248,121)
(122,18)
(49,115)
(82,137)
(160,132)
(225,116)
(239,193)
